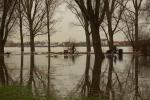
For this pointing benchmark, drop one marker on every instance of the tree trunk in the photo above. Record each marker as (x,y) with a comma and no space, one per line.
(110,30)
(111,41)
(21,36)
(136,29)
(22,44)
(110,71)
(96,43)
(1,48)
(21,32)
(32,45)
(49,47)
(48,25)
(88,42)
(87,34)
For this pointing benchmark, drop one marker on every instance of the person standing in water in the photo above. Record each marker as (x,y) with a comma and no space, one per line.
(73,48)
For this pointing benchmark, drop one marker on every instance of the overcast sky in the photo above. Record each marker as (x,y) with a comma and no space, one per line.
(65,29)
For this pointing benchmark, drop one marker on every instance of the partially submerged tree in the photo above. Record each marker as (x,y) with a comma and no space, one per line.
(137,6)
(94,11)
(50,8)
(114,11)
(128,27)
(130,21)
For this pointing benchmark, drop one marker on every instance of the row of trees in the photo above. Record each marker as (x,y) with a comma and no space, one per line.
(30,16)
(110,17)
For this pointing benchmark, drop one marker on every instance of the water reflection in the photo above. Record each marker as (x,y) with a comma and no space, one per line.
(120,85)
(3,71)
(21,68)
(96,73)
(48,75)
(109,89)
(71,57)
(127,79)
(86,83)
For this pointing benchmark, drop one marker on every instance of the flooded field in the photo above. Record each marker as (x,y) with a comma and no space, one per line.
(73,77)
(16,50)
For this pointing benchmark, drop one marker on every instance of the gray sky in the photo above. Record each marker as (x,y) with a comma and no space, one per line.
(66,30)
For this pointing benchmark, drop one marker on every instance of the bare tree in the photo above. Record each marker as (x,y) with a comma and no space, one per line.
(83,22)
(114,11)
(130,23)
(7,20)
(20,17)
(137,6)
(128,27)
(94,11)
(35,13)
(50,8)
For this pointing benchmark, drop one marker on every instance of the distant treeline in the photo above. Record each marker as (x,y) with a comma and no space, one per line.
(62,44)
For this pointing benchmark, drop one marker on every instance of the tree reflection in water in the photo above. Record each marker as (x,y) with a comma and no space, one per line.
(72,57)
(137,94)
(109,89)
(86,82)
(21,68)
(95,84)
(120,85)
(106,81)
(32,68)
(3,71)
(37,86)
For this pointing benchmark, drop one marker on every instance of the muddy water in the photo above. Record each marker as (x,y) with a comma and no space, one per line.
(74,76)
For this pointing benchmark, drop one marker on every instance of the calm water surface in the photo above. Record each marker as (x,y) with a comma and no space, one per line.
(127,78)
(60,49)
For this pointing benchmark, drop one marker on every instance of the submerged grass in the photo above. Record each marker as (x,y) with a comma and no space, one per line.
(26,93)
(21,93)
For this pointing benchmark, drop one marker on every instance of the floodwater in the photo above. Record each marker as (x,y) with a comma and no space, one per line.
(16,50)
(73,77)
